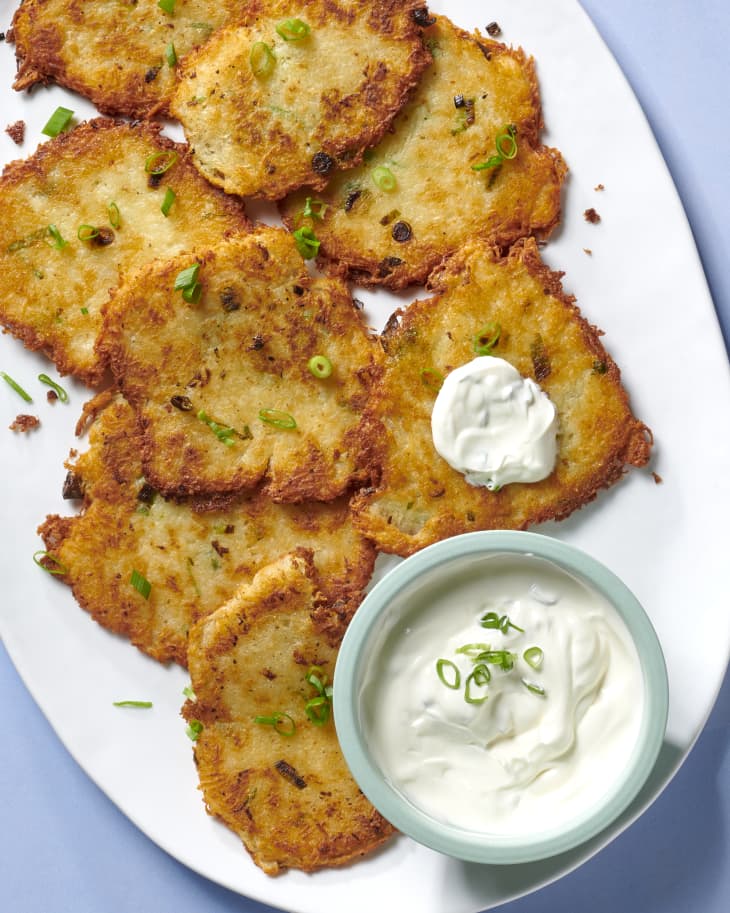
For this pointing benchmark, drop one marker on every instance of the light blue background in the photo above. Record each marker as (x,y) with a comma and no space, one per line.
(64,848)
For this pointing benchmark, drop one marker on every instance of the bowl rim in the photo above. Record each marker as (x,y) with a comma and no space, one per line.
(475,846)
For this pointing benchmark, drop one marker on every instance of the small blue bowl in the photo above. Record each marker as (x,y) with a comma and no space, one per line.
(400,593)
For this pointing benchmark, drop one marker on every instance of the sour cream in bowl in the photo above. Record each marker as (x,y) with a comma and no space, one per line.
(500,697)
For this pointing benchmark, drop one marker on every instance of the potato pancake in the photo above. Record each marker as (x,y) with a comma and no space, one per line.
(417,197)
(231,388)
(121,54)
(193,555)
(419,498)
(82,211)
(298,88)
(269,763)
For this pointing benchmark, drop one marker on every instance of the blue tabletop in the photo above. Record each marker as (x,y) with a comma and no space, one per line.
(65,847)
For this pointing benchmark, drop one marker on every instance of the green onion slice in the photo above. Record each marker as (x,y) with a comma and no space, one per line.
(87,232)
(473,650)
(293,29)
(318,710)
(500,622)
(141,584)
(58,241)
(502,658)
(84,311)
(432,378)
(224,433)
(115,219)
(316,677)
(167,5)
(455,675)
(60,392)
(479,678)
(187,277)
(171,55)
(320,366)
(167,201)
(492,162)
(141,704)
(261,59)
(307,242)
(533,656)
(160,162)
(189,693)
(309,211)
(506,143)
(277,419)
(192,293)
(384,178)
(193,730)
(281,722)
(535,689)
(16,386)
(487,338)
(57,571)
(57,122)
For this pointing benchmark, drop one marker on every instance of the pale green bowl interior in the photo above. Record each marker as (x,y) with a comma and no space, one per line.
(393,596)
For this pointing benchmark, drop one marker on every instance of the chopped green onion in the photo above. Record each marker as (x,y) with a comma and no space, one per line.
(309,212)
(432,378)
(316,677)
(193,730)
(16,386)
(171,55)
(167,5)
(189,693)
(318,710)
(533,656)
(187,277)
(192,293)
(479,678)
(442,664)
(141,584)
(307,242)
(502,658)
(58,241)
(281,722)
(471,650)
(261,59)
(87,232)
(277,419)
(168,201)
(508,136)
(60,568)
(487,338)
(58,121)
(384,178)
(61,393)
(500,622)
(224,433)
(293,30)
(492,162)
(535,689)
(115,219)
(142,704)
(320,366)
(84,311)
(160,162)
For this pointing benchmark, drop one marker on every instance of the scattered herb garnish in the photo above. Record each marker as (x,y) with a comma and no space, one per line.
(115,219)
(318,708)
(432,378)
(58,121)
(224,433)
(535,689)
(144,705)
(160,162)
(16,386)
(60,392)
(261,59)
(58,241)
(307,242)
(441,666)
(141,584)
(167,202)
(309,212)
(487,338)
(533,656)
(506,146)
(281,722)
(277,419)
(193,730)
(478,678)
(167,6)
(87,232)
(320,366)
(189,693)
(500,622)
(384,178)
(293,30)
(171,55)
(186,282)
(57,568)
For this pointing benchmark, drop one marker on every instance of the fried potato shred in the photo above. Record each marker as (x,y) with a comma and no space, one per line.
(419,498)
(289,797)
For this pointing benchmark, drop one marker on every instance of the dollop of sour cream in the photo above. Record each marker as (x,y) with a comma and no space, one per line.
(494,425)
(543,739)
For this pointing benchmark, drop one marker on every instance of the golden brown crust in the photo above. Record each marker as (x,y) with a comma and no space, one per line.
(109,51)
(244,348)
(429,153)
(194,559)
(291,800)
(52,298)
(419,498)
(326,98)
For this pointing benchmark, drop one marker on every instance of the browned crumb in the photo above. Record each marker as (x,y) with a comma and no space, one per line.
(587,250)
(599,187)
(16,132)
(657,478)
(493,29)
(590,215)
(25,423)
(51,396)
